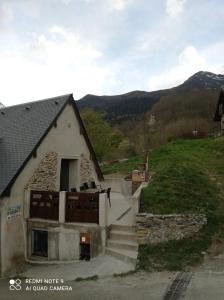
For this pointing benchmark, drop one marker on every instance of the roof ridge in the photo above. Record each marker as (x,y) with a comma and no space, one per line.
(36,101)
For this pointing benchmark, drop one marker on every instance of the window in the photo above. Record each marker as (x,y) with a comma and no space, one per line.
(40,243)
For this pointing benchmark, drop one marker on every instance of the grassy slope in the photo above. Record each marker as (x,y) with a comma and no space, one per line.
(122,167)
(189,177)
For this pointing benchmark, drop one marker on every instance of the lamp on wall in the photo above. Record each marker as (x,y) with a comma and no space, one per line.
(85,184)
(93,185)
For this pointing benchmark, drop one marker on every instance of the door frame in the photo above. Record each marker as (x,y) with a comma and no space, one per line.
(70,157)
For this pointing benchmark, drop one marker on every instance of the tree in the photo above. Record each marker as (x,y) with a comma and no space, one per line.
(105,139)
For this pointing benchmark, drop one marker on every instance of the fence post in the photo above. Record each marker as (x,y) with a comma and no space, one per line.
(26,209)
(62,200)
(103,218)
(102,210)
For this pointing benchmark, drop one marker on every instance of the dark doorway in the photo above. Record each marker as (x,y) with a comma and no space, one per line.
(84,251)
(40,243)
(85,246)
(64,179)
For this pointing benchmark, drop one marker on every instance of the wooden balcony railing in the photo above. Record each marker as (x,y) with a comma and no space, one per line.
(82,207)
(44,205)
(79,207)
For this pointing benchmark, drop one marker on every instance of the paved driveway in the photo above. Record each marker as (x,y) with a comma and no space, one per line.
(207,283)
(138,286)
(102,266)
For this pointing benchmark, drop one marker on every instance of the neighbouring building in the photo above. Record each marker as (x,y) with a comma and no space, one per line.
(219,114)
(50,200)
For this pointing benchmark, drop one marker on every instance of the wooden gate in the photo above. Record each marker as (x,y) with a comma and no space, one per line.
(44,205)
(82,207)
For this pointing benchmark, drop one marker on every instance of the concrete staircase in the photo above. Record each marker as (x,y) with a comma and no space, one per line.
(123,243)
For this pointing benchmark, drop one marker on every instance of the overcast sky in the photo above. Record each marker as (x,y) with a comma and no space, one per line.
(54,47)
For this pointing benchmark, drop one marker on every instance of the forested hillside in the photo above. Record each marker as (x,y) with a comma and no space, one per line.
(131,106)
(148,119)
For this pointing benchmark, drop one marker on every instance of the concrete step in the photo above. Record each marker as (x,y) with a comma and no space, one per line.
(124,255)
(118,227)
(122,235)
(125,245)
(124,213)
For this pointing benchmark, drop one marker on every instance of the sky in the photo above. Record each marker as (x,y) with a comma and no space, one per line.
(55,47)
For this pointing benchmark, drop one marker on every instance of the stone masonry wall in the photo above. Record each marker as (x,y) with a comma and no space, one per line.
(154,229)
(44,177)
(85,169)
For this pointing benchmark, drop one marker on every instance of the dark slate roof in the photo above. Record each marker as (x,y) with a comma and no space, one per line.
(219,112)
(22,128)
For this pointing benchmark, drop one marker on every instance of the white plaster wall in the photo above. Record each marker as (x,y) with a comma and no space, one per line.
(67,141)
(68,244)
(222,122)
(118,185)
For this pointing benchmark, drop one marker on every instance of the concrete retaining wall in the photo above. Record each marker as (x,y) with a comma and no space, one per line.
(64,240)
(154,229)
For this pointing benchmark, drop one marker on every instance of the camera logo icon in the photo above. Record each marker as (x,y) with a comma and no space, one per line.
(15,284)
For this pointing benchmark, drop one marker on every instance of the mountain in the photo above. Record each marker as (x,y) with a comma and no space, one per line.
(132,105)
(121,107)
(203,80)
(1,105)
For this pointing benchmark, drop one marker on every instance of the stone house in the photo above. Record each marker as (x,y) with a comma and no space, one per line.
(50,204)
(219,114)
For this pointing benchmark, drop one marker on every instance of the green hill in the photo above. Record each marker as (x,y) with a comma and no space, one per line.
(188,178)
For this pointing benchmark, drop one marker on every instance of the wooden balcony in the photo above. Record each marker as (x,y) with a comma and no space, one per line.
(44,205)
(65,207)
(82,207)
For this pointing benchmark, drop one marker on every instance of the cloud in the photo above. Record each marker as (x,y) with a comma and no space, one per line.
(9,9)
(30,7)
(6,14)
(190,61)
(118,5)
(67,2)
(54,63)
(174,7)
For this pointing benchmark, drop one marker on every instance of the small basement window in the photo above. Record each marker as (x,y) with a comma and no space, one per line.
(40,243)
